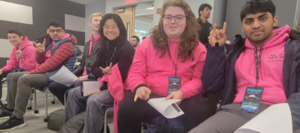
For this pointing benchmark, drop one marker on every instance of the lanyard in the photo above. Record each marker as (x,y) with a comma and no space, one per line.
(257,63)
(107,63)
(172,59)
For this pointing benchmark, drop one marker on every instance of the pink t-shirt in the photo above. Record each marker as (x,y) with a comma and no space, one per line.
(270,69)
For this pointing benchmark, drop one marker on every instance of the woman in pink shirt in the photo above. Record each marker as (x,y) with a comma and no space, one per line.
(168,64)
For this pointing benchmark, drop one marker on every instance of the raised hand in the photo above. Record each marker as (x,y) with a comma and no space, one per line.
(107,70)
(218,35)
(19,54)
(41,47)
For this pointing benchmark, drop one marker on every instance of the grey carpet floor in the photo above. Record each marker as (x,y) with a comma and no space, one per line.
(35,122)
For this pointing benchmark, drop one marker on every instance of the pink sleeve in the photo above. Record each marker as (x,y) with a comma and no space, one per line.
(13,61)
(138,68)
(28,61)
(194,87)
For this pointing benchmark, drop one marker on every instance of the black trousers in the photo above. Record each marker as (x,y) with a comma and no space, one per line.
(130,115)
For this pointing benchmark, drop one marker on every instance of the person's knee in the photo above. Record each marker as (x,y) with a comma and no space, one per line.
(127,106)
(23,80)
(54,89)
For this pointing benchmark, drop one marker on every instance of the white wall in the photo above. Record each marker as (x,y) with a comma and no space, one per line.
(110,4)
(89,10)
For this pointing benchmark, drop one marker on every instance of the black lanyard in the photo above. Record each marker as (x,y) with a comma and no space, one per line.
(172,59)
(257,62)
(107,63)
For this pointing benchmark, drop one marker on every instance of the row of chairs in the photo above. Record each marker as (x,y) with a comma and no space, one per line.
(108,109)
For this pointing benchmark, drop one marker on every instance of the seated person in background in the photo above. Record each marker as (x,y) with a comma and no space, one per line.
(22,57)
(265,60)
(135,41)
(115,50)
(84,70)
(89,56)
(172,51)
(55,52)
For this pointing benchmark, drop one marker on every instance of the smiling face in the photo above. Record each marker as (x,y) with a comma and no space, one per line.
(14,39)
(95,23)
(111,30)
(258,28)
(176,26)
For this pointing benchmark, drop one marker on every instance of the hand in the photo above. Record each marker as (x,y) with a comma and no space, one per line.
(81,78)
(107,70)
(175,95)
(142,93)
(24,74)
(93,92)
(41,47)
(218,35)
(1,71)
(19,54)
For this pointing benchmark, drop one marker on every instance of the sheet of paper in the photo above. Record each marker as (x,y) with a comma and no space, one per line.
(275,119)
(168,108)
(90,87)
(64,76)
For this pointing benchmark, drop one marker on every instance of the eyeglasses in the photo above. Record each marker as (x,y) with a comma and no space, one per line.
(57,30)
(106,27)
(177,18)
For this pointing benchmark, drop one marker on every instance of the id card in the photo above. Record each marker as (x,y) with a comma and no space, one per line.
(174,84)
(252,99)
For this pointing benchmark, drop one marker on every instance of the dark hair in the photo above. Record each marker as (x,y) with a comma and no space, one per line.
(202,6)
(143,37)
(54,23)
(256,6)
(137,38)
(41,38)
(16,31)
(122,38)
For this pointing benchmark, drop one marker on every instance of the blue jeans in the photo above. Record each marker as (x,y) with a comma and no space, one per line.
(8,83)
(3,75)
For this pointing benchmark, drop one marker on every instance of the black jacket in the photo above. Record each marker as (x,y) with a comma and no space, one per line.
(203,33)
(123,55)
(218,72)
(87,61)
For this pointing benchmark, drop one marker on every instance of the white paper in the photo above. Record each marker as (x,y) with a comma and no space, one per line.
(90,87)
(165,107)
(275,119)
(64,76)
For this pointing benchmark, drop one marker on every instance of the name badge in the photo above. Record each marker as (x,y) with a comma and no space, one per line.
(174,84)
(252,99)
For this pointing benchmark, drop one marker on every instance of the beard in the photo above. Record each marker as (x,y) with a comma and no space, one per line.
(135,45)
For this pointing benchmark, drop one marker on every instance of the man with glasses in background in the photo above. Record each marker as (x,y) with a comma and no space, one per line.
(52,54)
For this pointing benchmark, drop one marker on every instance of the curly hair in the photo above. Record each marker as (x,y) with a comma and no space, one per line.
(189,38)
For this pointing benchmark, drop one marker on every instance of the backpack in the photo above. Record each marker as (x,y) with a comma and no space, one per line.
(74,125)
(56,119)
